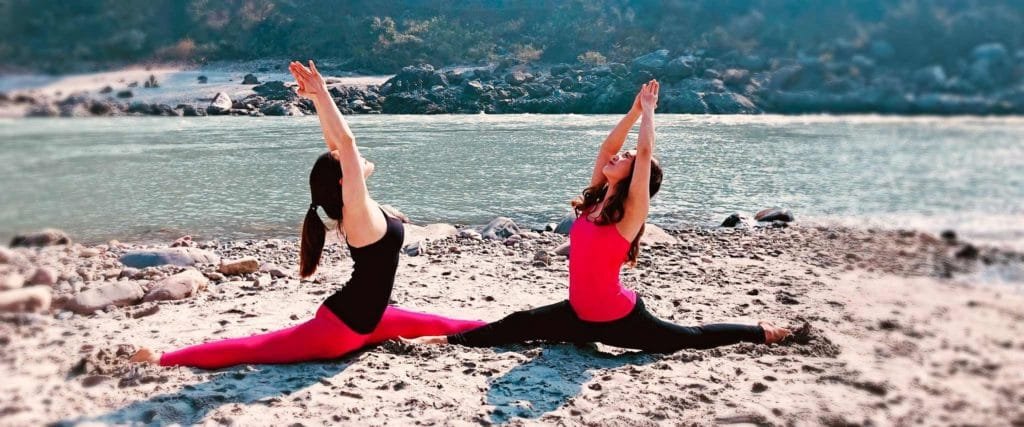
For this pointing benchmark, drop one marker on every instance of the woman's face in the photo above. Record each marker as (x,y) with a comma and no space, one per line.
(619,166)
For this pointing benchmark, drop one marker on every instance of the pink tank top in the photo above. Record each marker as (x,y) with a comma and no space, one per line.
(596,255)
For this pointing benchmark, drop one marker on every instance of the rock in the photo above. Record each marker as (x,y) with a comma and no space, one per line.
(47,237)
(44,276)
(473,88)
(128,272)
(565,224)
(246,265)
(88,252)
(276,90)
(499,228)
(250,79)
(991,65)
(184,257)
(178,286)
(183,242)
(202,79)
(968,251)
(282,109)
(732,220)
(275,271)
(414,248)
(8,256)
(30,299)
(652,62)
(262,281)
(774,214)
(470,234)
(125,94)
(513,240)
(562,250)
(106,89)
(930,78)
(736,77)
(415,233)
(220,105)
(11,280)
(543,258)
(189,110)
(118,294)
(729,103)
(654,235)
(518,77)
(948,236)
(681,67)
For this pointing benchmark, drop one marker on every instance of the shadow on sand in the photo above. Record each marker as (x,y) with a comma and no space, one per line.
(548,381)
(240,384)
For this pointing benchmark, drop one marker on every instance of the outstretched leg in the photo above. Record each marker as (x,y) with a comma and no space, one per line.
(555,322)
(641,330)
(323,337)
(398,322)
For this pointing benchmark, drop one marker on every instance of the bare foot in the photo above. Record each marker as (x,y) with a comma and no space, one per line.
(145,355)
(433,340)
(772,333)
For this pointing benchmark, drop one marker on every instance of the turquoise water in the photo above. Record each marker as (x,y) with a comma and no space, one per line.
(225,177)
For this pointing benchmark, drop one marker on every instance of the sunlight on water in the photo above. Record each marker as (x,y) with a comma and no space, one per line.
(140,178)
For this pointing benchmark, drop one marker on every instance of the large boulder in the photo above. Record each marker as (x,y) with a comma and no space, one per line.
(47,237)
(178,286)
(565,225)
(220,105)
(118,294)
(680,67)
(30,299)
(414,77)
(729,103)
(184,257)
(774,214)
(930,78)
(518,77)
(991,65)
(499,228)
(653,62)
(275,90)
(410,103)
(279,108)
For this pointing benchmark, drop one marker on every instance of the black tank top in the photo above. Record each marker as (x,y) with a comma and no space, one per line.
(361,303)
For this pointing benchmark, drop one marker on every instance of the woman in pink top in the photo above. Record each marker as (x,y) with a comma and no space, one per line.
(611,215)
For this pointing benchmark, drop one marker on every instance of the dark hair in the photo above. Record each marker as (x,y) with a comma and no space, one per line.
(325,190)
(615,208)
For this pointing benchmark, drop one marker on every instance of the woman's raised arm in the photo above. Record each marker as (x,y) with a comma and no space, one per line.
(639,201)
(359,209)
(613,143)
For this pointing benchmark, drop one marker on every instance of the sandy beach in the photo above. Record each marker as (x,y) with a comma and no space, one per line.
(893,329)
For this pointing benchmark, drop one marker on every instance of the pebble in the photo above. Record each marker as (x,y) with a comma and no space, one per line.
(30,299)
(179,286)
(11,280)
(44,276)
(244,265)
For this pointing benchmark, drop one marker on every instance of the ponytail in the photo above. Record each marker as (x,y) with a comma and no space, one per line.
(312,244)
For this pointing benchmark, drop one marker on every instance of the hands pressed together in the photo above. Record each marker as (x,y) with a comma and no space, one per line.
(647,99)
(311,83)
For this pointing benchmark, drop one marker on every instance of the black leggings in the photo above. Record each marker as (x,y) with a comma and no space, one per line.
(638,330)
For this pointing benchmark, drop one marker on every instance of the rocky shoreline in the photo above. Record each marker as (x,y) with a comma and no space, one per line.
(848,80)
(871,335)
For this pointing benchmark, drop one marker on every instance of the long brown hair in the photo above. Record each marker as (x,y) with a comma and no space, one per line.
(325,190)
(615,207)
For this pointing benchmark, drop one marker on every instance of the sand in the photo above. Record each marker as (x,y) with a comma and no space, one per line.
(899,331)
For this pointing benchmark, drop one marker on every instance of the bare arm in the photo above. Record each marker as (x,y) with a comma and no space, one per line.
(639,201)
(363,222)
(613,143)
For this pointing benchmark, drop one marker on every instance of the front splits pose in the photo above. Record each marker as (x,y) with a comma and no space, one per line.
(610,220)
(357,315)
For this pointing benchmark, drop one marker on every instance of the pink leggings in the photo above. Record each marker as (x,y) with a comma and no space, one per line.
(322,337)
